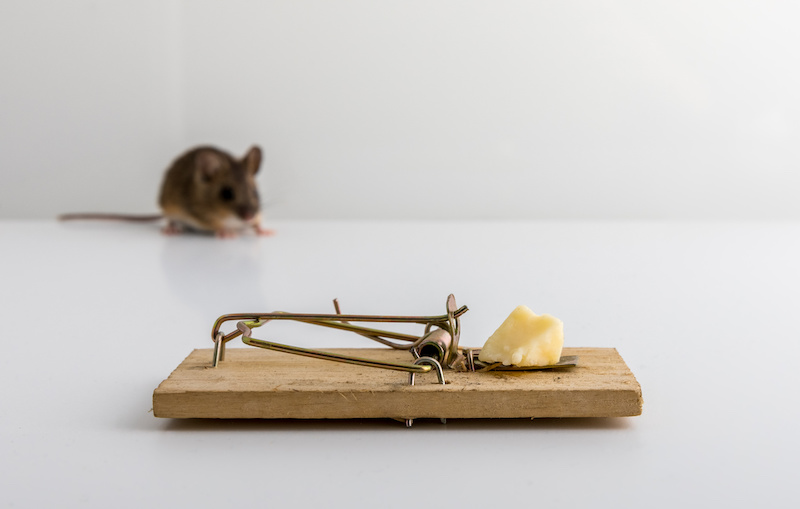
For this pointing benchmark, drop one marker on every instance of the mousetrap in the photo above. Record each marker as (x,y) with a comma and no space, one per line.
(411,377)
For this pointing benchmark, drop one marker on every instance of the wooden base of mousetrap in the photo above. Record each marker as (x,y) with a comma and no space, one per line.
(260,384)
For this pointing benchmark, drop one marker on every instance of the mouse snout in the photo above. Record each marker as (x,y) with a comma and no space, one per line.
(246,212)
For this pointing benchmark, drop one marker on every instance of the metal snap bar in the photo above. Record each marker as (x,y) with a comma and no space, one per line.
(440,338)
(328,356)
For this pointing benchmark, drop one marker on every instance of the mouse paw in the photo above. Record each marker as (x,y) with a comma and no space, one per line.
(225,234)
(172,229)
(263,232)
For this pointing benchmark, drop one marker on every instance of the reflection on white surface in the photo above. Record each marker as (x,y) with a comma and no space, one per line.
(215,276)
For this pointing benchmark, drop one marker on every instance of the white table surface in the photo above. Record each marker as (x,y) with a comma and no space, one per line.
(97,315)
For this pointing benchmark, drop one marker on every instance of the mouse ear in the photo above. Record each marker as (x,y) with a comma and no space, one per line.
(252,160)
(208,163)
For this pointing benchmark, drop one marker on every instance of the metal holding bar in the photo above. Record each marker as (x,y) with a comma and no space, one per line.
(439,341)
(337,321)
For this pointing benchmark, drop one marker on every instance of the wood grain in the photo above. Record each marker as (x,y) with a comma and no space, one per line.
(261,384)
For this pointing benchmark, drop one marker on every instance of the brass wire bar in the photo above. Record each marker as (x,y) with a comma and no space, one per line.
(246,329)
(336,357)
(440,337)
(336,321)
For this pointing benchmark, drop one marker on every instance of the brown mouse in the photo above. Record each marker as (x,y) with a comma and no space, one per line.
(206,189)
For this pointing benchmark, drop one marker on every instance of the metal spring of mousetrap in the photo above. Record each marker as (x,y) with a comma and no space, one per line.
(436,349)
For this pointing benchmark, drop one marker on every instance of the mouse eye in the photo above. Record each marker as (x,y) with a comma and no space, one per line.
(226,193)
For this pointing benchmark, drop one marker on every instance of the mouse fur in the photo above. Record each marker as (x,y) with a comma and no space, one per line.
(207,189)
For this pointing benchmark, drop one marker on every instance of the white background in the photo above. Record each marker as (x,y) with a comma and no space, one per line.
(561,110)
(409,109)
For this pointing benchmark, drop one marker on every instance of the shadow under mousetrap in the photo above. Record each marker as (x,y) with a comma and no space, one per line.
(427,376)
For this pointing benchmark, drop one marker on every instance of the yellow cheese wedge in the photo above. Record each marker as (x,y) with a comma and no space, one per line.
(525,339)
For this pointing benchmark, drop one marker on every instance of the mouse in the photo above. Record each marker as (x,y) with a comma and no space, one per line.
(205,189)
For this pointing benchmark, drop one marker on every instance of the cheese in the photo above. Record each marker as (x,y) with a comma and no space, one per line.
(525,339)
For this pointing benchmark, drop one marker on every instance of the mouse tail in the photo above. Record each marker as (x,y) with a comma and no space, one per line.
(110,217)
